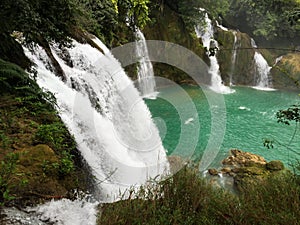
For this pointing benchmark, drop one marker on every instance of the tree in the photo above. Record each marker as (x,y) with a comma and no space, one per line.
(98,17)
(134,12)
(269,18)
(51,20)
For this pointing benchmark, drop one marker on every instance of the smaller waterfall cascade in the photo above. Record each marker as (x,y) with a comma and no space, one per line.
(262,70)
(207,35)
(233,58)
(146,80)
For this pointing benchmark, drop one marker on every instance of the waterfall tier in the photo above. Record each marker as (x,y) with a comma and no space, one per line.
(146,80)
(233,58)
(110,122)
(262,71)
(207,35)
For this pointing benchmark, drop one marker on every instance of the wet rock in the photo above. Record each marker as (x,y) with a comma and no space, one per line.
(226,170)
(213,172)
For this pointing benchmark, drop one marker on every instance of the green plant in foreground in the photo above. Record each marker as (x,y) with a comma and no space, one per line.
(7,167)
(186,198)
(55,135)
(4,139)
(66,164)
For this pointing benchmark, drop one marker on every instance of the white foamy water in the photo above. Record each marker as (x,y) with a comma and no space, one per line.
(233,58)
(262,71)
(110,122)
(67,212)
(263,81)
(207,35)
(146,79)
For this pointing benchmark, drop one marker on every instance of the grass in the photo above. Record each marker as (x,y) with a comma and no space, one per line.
(187,199)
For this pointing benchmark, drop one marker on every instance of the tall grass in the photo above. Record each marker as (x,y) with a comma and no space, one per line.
(187,199)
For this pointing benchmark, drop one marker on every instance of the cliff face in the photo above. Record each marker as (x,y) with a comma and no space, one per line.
(239,68)
(169,27)
(235,54)
(286,73)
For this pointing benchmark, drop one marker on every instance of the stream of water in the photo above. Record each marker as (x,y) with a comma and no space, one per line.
(206,33)
(146,80)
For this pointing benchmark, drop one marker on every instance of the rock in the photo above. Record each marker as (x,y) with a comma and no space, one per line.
(242,71)
(248,169)
(226,170)
(286,73)
(213,172)
(275,165)
(240,158)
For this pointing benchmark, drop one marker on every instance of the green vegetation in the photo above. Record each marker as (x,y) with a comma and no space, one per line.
(268,18)
(38,156)
(7,168)
(188,199)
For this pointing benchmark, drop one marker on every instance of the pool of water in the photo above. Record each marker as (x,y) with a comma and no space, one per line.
(184,118)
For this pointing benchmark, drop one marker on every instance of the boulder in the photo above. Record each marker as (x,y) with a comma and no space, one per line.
(240,158)
(213,172)
(286,71)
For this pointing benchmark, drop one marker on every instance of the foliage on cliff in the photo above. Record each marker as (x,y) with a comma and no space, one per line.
(38,156)
(268,18)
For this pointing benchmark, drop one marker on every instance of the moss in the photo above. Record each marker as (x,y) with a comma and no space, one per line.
(168,26)
(286,74)
(40,172)
(226,45)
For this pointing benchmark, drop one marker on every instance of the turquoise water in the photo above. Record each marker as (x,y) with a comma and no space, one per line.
(250,118)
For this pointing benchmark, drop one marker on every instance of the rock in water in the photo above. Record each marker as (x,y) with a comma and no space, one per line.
(240,158)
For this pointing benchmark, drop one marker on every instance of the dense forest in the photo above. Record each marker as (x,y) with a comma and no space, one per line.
(112,21)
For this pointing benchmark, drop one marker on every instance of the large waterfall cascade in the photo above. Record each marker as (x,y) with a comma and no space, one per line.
(207,35)
(103,110)
(262,70)
(146,79)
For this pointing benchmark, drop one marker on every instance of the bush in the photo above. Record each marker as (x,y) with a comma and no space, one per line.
(182,199)
(7,167)
(187,199)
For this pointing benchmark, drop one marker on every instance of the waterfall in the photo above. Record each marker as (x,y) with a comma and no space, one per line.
(262,71)
(207,36)
(233,58)
(111,124)
(146,80)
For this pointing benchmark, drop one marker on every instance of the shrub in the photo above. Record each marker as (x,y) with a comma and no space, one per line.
(186,198)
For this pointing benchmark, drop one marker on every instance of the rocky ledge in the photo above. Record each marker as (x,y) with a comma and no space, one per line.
(247,169)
